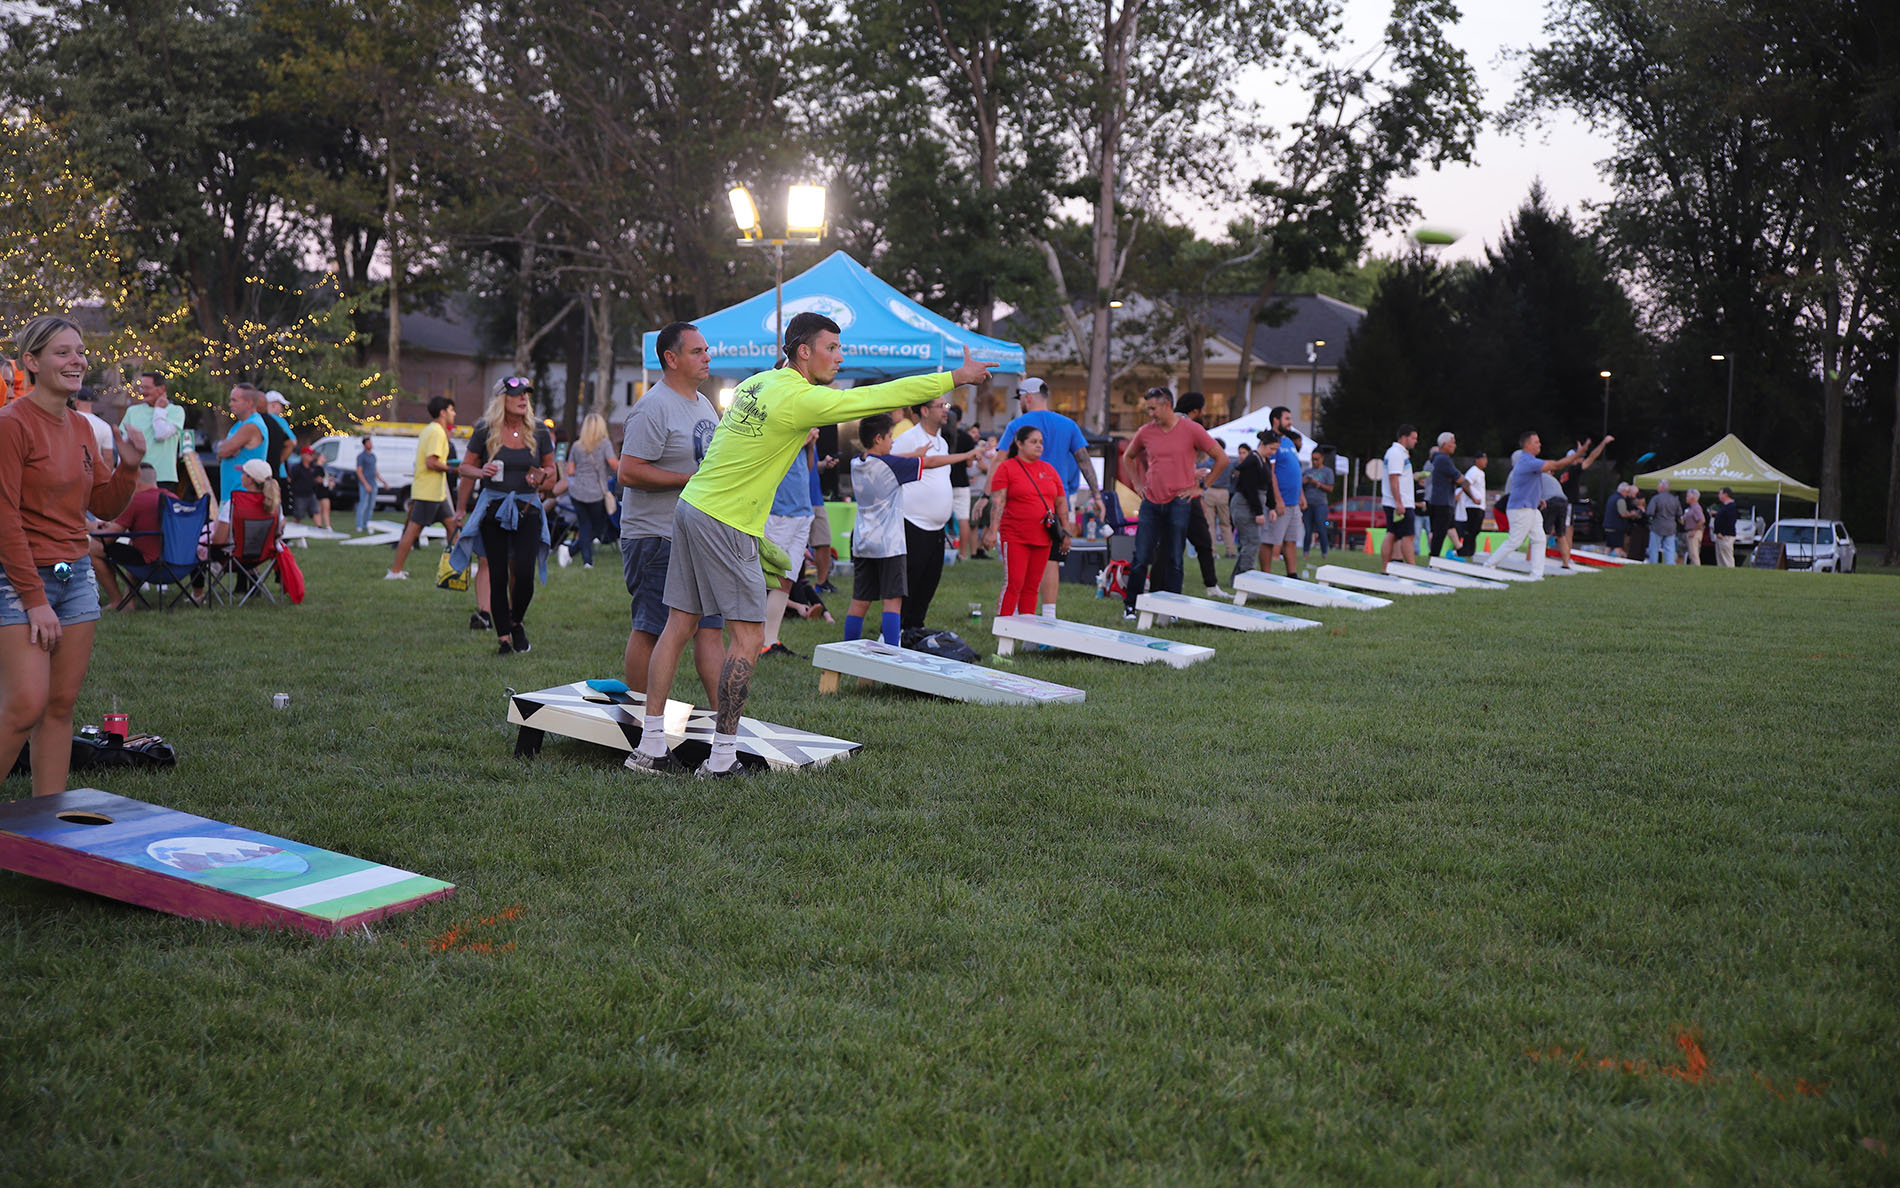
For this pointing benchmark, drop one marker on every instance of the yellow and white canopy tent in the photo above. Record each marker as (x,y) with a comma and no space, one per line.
(1730,463)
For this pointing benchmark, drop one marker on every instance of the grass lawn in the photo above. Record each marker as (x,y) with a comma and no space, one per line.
(1428,894)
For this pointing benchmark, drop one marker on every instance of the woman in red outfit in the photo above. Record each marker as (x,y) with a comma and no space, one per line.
(49,605)
(1025,494)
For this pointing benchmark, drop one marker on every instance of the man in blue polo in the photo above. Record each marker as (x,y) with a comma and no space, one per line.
(1280,535)
(1526,493)
(1063,447)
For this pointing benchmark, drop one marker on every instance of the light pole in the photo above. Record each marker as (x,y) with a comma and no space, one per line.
(1108,372)
(1728,426)
(804,223)
(1312,356)
(1606,403)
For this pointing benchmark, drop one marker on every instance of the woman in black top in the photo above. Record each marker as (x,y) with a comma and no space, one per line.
(1247,506)
(514,459)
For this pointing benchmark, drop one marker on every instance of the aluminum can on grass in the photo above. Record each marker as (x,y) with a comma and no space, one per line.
(280,701)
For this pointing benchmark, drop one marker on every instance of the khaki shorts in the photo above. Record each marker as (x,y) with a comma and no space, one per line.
(1281,529)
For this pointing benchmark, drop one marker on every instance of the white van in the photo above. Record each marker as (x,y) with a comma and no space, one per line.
(395,460)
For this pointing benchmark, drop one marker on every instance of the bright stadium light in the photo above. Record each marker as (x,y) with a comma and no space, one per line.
(745,212)
(805,212)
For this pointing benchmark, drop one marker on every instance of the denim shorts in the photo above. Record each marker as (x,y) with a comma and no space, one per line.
(643,562)
(75,600)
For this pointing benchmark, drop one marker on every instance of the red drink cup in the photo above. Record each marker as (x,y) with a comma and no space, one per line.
(118,724)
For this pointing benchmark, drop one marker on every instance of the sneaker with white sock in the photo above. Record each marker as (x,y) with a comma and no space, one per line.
(395,575)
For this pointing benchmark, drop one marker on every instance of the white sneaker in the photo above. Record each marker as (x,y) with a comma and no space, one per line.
(1215,591)
(564,556)
(395,575)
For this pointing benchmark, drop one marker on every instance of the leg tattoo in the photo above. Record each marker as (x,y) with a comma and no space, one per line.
(735,679)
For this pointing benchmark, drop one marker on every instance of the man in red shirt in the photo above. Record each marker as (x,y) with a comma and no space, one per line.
(1160,461)
(140,516)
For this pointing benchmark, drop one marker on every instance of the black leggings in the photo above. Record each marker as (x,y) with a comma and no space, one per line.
(505,553)
(1203,542)
(1441,525)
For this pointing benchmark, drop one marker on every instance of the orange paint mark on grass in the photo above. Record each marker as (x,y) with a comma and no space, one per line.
(1694,1069)
(461,937)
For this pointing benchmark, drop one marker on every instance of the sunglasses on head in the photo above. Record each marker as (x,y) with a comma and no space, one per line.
(514,385)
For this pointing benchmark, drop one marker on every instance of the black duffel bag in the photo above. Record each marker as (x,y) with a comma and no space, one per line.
(947,644)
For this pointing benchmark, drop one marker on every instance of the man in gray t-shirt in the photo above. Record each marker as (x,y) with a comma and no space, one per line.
(1664,510)
(668,430)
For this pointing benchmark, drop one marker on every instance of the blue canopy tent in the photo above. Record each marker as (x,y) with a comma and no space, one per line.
(886,334)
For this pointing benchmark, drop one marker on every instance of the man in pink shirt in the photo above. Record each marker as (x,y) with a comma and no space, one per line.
(1160,461)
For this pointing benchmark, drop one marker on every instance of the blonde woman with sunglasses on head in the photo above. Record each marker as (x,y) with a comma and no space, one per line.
(50,477)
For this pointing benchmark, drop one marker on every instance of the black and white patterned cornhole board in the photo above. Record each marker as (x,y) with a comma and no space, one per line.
(616,719)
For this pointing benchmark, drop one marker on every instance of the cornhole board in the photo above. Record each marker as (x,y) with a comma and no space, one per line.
(1091,640)
(872,660)
(175,862)
(295,531)
(1440,577)
(1593,560)
(1452,565)
(1593,557)
(386,535)
(1340,575)
(1217,614)
(1286,589)
(616,720)
(1518,563)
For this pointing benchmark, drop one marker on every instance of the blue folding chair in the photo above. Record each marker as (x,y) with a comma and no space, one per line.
(180,526)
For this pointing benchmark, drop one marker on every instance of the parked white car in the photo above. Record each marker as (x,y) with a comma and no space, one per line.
(1814,544)
(395,461)
(1749,527)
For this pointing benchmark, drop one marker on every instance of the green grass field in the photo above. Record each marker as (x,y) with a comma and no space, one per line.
(1426,895)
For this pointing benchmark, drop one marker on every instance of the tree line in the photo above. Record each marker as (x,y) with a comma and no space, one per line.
(269,161)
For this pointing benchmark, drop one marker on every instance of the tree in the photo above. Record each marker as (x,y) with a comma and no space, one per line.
(65,244)
(1368,124)
(1403,363)
(1754,143)
(382,79)
(945,157)
(167,98)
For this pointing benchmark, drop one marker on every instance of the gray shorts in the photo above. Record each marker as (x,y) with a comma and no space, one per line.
(1281,529)
(714,569)
(644,561)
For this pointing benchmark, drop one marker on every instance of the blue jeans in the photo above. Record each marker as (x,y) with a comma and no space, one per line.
(1160,538)
(592,515)
(1663,546)
(365,504)
(1316,525)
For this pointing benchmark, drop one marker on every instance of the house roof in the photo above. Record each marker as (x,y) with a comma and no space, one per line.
(1312,316)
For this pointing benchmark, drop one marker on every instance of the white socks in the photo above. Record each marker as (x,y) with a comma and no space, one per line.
(724,752)
(1048,610)
(653,736)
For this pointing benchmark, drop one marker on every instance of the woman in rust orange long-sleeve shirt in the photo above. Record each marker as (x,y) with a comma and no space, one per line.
(49,605)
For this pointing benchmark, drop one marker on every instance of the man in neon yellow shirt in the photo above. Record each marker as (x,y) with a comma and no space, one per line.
(721,514)
(429,488)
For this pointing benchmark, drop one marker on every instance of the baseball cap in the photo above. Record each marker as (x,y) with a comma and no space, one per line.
(258,470)
(275,397)
(1032,384)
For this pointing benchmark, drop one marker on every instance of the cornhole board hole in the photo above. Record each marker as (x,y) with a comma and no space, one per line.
(1600,558)
(175,862)
(1451,566)
(616,720)
(1091,640)
(1440,577)
(1216,614)
(1286,589)
(1518,563)
(871,660)
(1340,575)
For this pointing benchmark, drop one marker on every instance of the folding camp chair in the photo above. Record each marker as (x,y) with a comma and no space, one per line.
(251,557)
(179,527)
